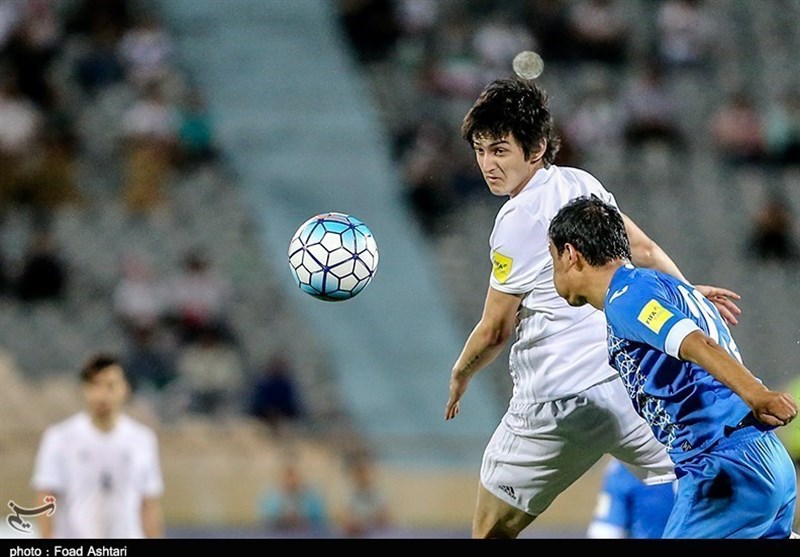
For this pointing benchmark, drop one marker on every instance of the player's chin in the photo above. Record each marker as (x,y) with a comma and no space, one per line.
(496,187)
(576,301)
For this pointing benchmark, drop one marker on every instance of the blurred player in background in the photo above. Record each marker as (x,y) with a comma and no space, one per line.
(101,465)
(628,508)
(685,376)
(568,407)
(790,435)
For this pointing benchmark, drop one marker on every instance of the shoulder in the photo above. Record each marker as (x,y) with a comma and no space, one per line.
(134,428)
(577,174)
(68,425)
(629,290)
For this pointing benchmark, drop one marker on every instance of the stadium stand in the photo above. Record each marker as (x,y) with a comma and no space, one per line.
(77,86)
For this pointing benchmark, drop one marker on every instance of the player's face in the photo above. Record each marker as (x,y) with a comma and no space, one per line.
(503,164)
(106,392)
(565,276)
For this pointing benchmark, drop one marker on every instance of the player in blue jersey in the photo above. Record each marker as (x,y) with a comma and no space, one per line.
(684,375)
(628,508)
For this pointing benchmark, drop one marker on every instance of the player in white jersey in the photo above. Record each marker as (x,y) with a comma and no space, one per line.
(568,406)
(101,465)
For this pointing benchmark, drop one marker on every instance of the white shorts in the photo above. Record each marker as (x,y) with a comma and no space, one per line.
(539,450)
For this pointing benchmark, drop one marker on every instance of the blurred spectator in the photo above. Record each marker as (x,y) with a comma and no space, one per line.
(150,366)
(50,181)
(276,397)
(599,31)
(372,27)
(5,274)
(33,47)
(199,298)
(146,50)
(44,272)
(429,182)
(196,141)
(685,33)
(139,297)
(595,121)
(650,110)
(19,136)
(450,69)
(548,20)
(85,16)
(417,17)
(497,39)
(293,506)
(99,65)
(737,130)
(772,235)
(366,508)
(783,129)
(211,373)
(150,128)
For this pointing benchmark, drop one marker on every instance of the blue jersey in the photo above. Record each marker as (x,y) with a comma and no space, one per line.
(630,507)
(648,315)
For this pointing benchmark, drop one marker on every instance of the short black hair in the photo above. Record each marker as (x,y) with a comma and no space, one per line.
(517,107)
(97,363)
(594,228)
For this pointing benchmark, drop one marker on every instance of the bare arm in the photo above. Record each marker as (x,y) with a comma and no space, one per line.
(646,253)
(484,344)
(771,407)
(45,522)
(152,518)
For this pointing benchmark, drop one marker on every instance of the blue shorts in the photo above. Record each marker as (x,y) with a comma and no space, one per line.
(743,487)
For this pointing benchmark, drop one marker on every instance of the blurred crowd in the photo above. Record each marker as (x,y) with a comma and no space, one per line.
(61,63)
(447,51)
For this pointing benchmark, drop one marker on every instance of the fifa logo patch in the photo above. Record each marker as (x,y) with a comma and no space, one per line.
(654,315)
(501,266)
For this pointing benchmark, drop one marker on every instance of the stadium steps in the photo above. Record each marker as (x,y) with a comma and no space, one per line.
(304,137)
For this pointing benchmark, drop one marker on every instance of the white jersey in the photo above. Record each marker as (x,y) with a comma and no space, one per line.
(559,350)
(99,478)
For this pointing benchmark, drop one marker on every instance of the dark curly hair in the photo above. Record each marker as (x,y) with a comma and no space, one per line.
(594,228)
(517,107)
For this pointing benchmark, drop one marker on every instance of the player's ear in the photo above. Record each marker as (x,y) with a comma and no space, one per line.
(538,152)
(576,259)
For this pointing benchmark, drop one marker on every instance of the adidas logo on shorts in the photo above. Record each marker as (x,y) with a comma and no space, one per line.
(509,490)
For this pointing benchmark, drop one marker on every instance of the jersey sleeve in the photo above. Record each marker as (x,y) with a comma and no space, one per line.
(518,252)
(648,316)
(47,472)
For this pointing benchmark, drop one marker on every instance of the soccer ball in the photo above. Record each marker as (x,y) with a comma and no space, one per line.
(333,256)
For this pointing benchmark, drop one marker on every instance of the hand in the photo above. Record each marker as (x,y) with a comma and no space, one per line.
(457,389)
(722,299)
(775,408)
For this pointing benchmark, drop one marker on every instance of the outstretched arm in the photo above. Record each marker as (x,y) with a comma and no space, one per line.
(771,407)
(484,344)
(646,253)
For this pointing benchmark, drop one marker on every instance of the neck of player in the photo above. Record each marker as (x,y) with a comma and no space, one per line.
(598,280)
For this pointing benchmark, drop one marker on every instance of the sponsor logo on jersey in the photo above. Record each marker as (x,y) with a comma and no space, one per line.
(501,266)
(618,293)
(654,315)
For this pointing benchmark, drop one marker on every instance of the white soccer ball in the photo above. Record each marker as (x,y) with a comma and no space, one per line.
(333,256)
